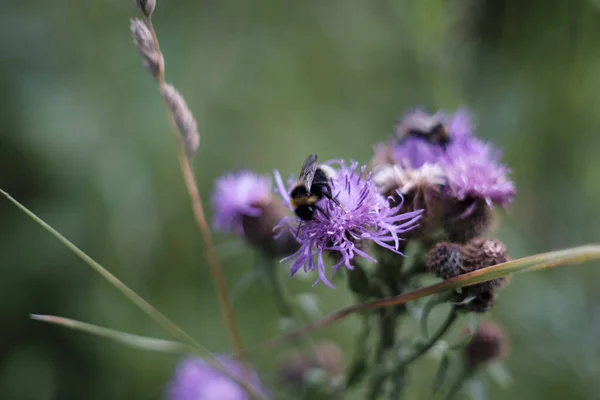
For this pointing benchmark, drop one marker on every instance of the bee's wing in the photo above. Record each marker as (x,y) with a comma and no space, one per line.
(307,173)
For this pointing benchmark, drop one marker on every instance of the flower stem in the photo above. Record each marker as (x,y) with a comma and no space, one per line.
(460,381)
(269,273)
(200,218)
(425,347)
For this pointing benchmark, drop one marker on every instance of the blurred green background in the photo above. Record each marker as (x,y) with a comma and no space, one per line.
(84,142)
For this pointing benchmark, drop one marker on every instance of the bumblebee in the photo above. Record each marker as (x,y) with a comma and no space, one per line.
(425,127)
(312,186)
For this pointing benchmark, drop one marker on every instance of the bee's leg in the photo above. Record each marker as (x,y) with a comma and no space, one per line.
(321,210)
(330,197)
(298,230)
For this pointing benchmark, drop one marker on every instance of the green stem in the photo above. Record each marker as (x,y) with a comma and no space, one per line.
(274,283)
(431,341)
(460,381)
(358,366)
(430,305)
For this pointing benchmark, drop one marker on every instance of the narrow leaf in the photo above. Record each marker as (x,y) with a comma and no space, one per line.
(136,341)
(473,322)
(500,374)
(156,315)
(442,373)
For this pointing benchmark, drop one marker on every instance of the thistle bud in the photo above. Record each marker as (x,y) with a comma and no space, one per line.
(448,260)
(483,253)
(488,344)
(484,299)
(445,260)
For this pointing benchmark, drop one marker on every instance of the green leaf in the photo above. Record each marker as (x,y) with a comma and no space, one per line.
(157,316)
(473,322)
(476,389)
(131,340)
(442,373)
(499,374)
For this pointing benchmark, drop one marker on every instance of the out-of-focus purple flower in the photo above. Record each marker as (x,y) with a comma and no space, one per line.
(237,195)
(471,167)
(474,172)
(364,215)
(414,151)
(195,379)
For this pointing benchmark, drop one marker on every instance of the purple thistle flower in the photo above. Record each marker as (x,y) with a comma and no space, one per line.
(237,195)
(195,379)
(473,172)
(414,151)
(471,167)
(365,215)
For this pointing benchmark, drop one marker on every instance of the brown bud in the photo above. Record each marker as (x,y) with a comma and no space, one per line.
(488,344)
(146,6)
(467,219)
(484,299)
(445,260)
(482,253)
(448,260)
(259,231)
(186,123)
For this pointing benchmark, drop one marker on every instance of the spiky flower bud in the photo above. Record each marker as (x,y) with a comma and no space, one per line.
(146,6)
(445,260)
(448,260)
(482,253)
(186,123)
(488,344)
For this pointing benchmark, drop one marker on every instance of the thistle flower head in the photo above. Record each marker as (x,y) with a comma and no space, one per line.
(363,215)
(473,172)
(237,195)
(471,168)
(415,151)
(195,379)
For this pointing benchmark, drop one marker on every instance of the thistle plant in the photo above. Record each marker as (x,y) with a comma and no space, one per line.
(422,208)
